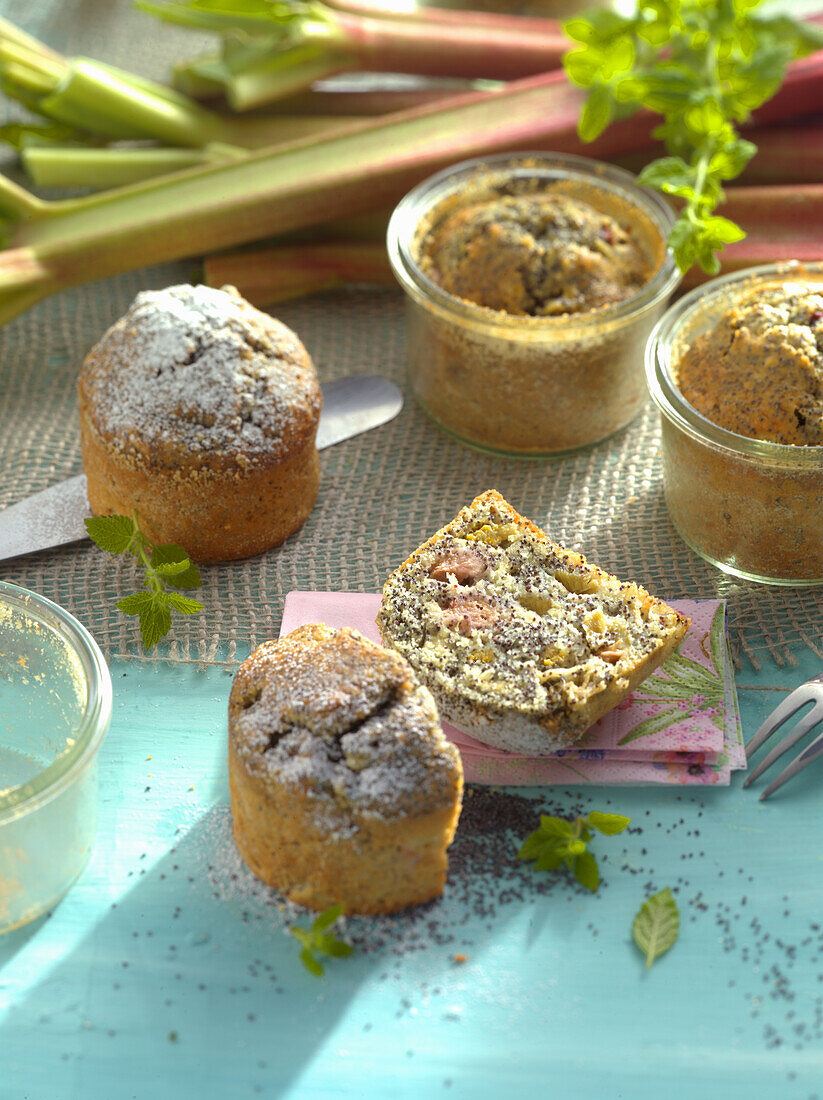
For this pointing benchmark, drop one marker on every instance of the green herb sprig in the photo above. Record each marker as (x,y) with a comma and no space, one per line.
(166,564)
(557,842)
(704,65)
(657,925)
(317,940)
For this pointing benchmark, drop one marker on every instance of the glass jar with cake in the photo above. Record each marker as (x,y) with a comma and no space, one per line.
(533,281)
(736,369)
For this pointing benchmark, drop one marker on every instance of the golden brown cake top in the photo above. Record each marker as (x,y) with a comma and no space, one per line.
(197,369)
(333,713)
(759,370)
(543,255)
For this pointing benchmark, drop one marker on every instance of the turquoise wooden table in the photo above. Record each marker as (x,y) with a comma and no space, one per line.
(169,972)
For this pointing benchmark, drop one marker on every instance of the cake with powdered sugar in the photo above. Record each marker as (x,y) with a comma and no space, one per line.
(199,413)
(344,789)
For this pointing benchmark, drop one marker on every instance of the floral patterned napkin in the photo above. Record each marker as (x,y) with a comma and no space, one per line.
(682,725)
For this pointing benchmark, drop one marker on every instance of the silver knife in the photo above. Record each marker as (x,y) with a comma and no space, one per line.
(55,515)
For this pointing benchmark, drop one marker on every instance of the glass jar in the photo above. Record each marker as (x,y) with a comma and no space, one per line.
(55,700)
(529,386)
(751,507)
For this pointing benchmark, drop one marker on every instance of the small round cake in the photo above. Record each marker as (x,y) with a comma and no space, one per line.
(199,413)
(540,255)
(344,790)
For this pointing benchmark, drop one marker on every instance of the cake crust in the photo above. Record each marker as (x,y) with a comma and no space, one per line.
(343,788)
(523,643)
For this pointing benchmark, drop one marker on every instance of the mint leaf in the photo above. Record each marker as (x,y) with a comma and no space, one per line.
(318,940)
(311,964)
(549,859)
(684,243)
(136,604)
(111,533)
(671,175)
(608,823)
(155,620)
(327,918)
(334,948)
(597,113)
(585,871)
(162,565)
(583,66)
(532,846)
(599,27)
(728,162)
(171,552)
(722,231)
(301,934)
(555,826)
(184,604)
(704,66)
(558,842)
(657,925)
(171,568)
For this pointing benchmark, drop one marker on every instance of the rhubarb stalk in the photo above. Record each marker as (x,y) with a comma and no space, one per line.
(92,100)
(276,273)
(491,21)
(332,99)
(49,164)
(265,53)
(268,193)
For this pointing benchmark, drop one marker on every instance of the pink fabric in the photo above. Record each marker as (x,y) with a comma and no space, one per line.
(691,738)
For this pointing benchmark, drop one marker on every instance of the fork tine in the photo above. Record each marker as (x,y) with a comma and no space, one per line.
(810,753)
(783,711)
(809,721)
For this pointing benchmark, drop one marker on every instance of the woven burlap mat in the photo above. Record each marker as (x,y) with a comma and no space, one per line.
(381,494)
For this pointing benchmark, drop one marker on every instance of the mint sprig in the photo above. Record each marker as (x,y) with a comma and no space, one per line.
(317,940)
(704,65)
(657,925)
(558,842)
(166,564)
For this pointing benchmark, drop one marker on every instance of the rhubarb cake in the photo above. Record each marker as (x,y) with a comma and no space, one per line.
(759,370)
(523,643)
(343,788)
(199,413)
(542,255)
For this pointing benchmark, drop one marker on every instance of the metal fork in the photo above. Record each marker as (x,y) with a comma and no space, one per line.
(810,692)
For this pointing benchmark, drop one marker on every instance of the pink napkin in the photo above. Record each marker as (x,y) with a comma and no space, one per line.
(682,725)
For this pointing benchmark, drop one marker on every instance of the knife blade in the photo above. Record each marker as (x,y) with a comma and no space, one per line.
(55,516)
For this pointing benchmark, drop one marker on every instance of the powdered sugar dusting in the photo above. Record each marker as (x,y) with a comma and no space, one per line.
(200,367)
(333,714)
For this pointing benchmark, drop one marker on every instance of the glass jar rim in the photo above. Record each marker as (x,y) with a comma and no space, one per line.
(93,726)
(552,166)
(671,402)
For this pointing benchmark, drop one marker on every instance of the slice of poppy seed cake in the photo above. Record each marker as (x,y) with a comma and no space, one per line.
(523,643)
